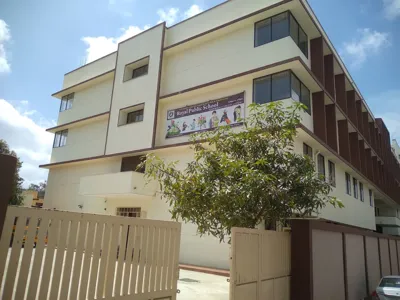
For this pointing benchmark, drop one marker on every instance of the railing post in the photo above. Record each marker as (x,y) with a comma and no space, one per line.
(8,166)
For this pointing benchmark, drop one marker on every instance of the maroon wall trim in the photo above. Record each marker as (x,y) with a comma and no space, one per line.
(368,160)
(354,149)
(366,126)
(359,116)
(329,75)
(317,58)
(331,126)
(351,106)
(363,163)
(340,86)
(344,142)
(319,115)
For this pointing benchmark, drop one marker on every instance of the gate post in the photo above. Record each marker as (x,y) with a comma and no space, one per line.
(8,166)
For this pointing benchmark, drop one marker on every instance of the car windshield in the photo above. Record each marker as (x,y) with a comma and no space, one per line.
(390,282)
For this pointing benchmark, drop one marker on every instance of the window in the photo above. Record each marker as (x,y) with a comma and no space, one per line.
(262,90)
(131,163)
(281,86)
(377,212)
(348,184)
(371,198)
(140,71)
(135,116)
(305,98)
(307,150)
(133,212)
(278,27)
(321,166)
(355,188)
(296,88)
(332,173)
(66,102)
(361,192)
(60,138)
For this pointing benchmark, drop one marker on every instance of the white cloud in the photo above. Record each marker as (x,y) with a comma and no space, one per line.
(368,43)
(169,16)
(391,9)
(101,45)
(5,36)
(27,138)
(192,11)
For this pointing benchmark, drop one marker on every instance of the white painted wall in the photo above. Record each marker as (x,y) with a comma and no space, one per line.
(82,142)
(88,102)
(223,57)
(139,90)
(90,70)
(228,11)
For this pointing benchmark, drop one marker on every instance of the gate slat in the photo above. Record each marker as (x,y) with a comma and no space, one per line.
(14,258)
(78,259)
(128,260)
(121,261)
(112,259)
(26,256)
(38,257)
(58,264)
(165,259)
(87,260)
(5,240)
(171,259)
(154,254)
(142,258)
(149,259)
(175,266)
(103,261)
(160,256)
(134,246)
(66,277)
(48,261)
(94,270)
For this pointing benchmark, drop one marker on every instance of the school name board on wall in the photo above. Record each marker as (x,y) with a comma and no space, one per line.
(205,116)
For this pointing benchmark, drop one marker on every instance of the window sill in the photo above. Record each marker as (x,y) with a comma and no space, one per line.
(59,147)
(130,79)
(121,125)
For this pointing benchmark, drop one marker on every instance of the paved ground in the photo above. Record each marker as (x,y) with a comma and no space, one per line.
(199,286)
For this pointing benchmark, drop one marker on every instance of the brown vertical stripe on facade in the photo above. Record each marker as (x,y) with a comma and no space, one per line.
(372,134)
(366,126)
(331,126)
(359,116)
(319,115)
(317,58)
(344,142)
(368,160)
(375,171)
(351,106)
(363,163)
(354,149)
(340,87)
(329,74)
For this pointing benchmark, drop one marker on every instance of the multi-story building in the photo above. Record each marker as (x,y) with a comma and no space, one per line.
(150,93)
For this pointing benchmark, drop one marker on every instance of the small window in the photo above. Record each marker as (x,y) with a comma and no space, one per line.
(321,166)
(136,69)
(305,98)
(132,212)
(131,163)
(263,32)
(377,212)
(140,71)
(361,192)
(296,87)
(303,42)
(66,102)
(332,173)
(281,86)
(348,184)
(294,29)
(307,150)
(262,90)
(371,198)
(135,116)
(60,138)
(280,26)
(355,188)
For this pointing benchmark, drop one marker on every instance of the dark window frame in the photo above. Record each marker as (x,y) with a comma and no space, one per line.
(371,199)
(355,187)
(361,190)
(60,134)
(289,17)
(307,150)
(331,173)
(323,165)
(348,183)
(146,66)
(134,112)
(302,85)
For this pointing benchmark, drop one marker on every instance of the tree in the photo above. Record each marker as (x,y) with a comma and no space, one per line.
(239,178)
(16,198)
(40,188)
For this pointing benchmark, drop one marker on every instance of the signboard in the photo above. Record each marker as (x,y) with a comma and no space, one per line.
(205,116)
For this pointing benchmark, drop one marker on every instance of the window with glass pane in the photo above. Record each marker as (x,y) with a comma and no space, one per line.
(140,71)
(280,26)
(262,32)
(135,116)
(63,139)
(305,98)
(371,198)
(348,184)
(303,42)
(66,102)
(294,29)
(281,86)
(60,138)
(295,88)
(361,192)
(262,90)
(57,137)
(332,173)
(321,165)
(307,150)
(355,188)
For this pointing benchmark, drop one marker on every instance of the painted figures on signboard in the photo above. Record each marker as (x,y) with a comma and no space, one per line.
(225,118)
(214,121)
(236,113)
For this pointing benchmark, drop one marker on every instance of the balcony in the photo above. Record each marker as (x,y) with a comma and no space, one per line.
(123,184)
(387,221)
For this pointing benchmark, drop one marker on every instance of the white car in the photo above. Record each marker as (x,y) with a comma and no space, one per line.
(388,288)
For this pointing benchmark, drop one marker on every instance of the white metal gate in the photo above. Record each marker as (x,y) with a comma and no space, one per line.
(64,255)
(260,265)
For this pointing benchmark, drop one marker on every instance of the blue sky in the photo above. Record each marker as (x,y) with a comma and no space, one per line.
(41,40)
